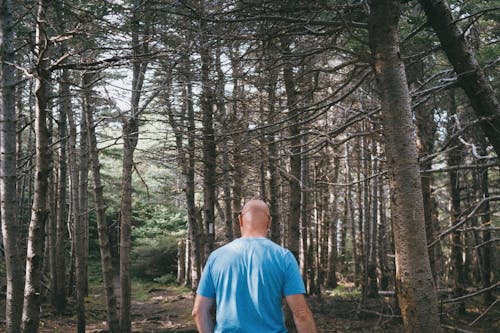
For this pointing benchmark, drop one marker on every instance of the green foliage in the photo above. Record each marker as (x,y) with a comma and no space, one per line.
(345,293)
(155,260)
(166,279)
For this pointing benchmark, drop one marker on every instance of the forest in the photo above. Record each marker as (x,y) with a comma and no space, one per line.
(133,131)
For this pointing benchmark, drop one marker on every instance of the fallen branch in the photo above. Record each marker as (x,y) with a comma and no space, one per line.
(479,292)
(455,329)
(380,314)
(485,312)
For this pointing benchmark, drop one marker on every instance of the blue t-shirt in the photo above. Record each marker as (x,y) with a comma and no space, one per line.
(249,278)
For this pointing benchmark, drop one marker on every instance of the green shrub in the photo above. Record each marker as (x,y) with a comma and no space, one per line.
(155,260)
(166,279)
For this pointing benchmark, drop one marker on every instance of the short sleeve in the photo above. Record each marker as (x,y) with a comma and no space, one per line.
(206,285)
(293,280)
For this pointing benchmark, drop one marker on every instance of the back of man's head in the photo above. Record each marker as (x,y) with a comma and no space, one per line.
(255,219)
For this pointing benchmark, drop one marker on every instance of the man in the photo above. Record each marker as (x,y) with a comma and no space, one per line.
(248,279)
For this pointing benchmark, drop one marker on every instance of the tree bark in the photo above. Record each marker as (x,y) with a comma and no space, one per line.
(416,292)
(39,213)
(330,199)
(469,73)
(426,132)
(59,292)
(102,225)
(293,232)
(194,233)
(454,158)
(226,165)
(209,146)
(81,224)
(349,222)
(274,179)
(8,175)
(130,138)
(74,193)
(371,270)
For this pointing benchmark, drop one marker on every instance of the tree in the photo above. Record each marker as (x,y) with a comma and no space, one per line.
(8,174)
(209,146)
(130,138)
(33,286)
(102,226)
(470,75)
(416,292)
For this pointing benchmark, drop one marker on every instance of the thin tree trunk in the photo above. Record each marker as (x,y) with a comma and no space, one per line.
(238,174)
(365,207)
(193,226)
(486,249)
(209,146)
(426,130)
(74,195)
(81,224)
(383,239)
(181,261)
(34,259)
(331,211)
(59,291)
(130,138)
(8,176)
(102,225)
(226,167)
(293,223)
(372,286)
(454,158)
(305,217)
(469,73)
(50,262)
(416,292)
(349,220)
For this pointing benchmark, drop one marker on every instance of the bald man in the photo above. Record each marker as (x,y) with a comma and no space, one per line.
(248,279)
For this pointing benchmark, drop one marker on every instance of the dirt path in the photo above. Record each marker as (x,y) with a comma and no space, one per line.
(166,309)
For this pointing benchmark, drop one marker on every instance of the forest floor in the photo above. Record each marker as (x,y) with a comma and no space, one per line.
(161,309)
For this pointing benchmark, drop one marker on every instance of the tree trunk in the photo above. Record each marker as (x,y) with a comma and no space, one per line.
(349,221)
(8,175)
(454,158)
(305,217)
(74,193)
(209,147)
(272,153)
(33,285)
(226,165)
(50,261)
(130,138)
(102,225)
(293,223)
(469,73)
(416,292)
(487,247)
(372,286)
(426,132)
(364,206)
(81,224)
(194,233)
(59,292)
(383,239)
(331,211)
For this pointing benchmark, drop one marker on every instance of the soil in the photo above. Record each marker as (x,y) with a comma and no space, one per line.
(168,309)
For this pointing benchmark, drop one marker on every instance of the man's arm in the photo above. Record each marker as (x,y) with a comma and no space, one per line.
(201,314)
(302,315)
